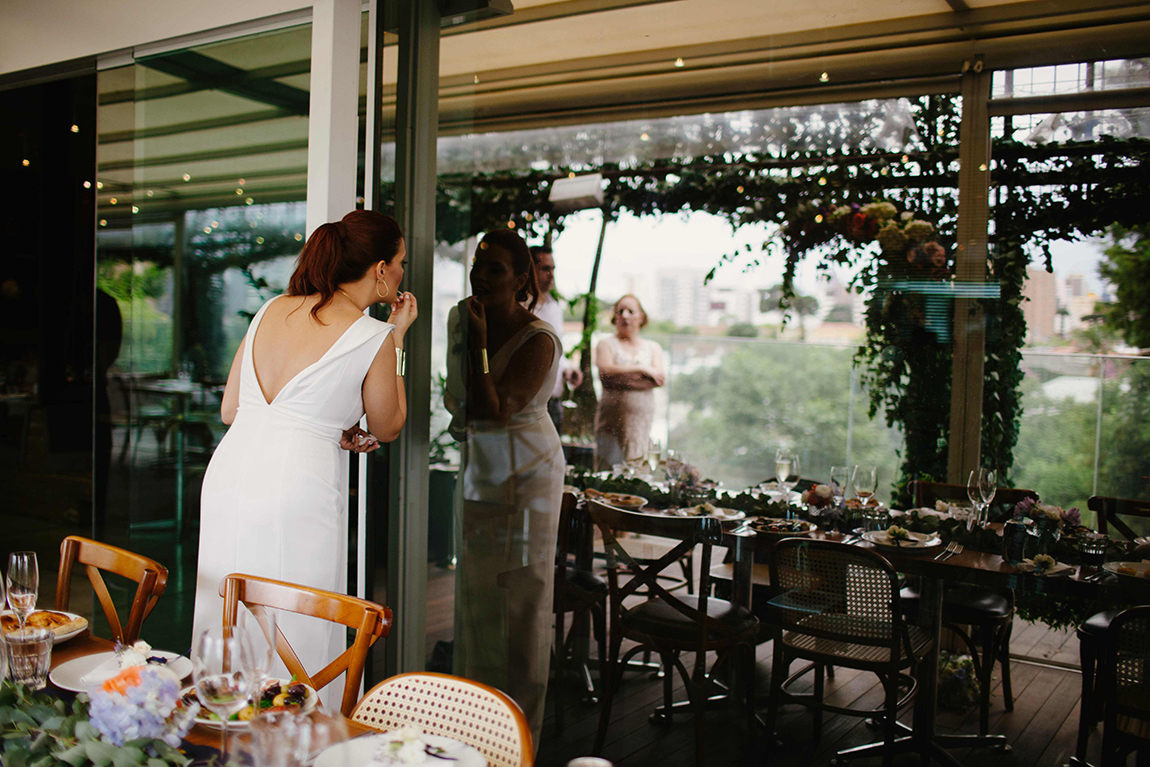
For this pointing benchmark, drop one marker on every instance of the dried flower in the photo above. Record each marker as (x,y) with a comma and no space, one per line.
(918,230)
(1071,518)
(896,533)
(892,238)
(1043,563)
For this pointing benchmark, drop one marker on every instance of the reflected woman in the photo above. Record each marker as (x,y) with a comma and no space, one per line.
(630,368)
(502,366)
(274,498)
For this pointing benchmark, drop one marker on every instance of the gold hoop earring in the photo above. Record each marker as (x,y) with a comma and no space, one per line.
(386,289)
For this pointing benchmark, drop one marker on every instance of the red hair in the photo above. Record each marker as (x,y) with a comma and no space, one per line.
(342,252)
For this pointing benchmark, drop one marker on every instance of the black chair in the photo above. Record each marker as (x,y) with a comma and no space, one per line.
(584,595)
(1126,686)
(839,605)
(669,624)
(989,612)
(1093,632)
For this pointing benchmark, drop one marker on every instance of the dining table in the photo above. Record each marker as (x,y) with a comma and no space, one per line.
(200,735)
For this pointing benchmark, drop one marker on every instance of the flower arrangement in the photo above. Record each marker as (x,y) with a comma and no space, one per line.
(39,729)
(140,702)
(1046,514)
(896,533)
(1043,563)
(818,496)
(958,686)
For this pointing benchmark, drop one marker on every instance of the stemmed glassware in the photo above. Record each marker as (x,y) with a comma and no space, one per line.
(262,639)
(981,487)
(864,479)
(222,667)
(23,584)
(840,476)
(654,455)
(786,470)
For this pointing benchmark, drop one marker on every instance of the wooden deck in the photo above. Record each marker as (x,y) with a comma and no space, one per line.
(1041,729)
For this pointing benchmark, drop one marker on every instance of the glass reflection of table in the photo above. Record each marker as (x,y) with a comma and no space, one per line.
(183,391)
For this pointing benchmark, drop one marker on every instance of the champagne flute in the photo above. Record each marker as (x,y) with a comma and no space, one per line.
(840,475)
(654,455)
(987,488)
(221,668)
(974,493)
(23,584)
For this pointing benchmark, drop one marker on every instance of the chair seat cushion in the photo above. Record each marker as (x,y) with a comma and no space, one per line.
(1097,624)
(657,618)
(963,604)
(847,652)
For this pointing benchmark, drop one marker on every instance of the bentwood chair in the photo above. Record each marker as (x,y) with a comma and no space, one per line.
(439,704)
(370,621)
(667,623)
(582,594)
(1126,684)
(1094,631)
(150,576)
(839,605)
(988,612)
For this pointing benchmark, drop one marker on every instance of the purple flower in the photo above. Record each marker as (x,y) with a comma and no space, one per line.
(1023,508)
(1071,518)
(147,710)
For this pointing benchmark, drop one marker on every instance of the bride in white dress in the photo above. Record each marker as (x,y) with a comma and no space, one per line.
(274,499)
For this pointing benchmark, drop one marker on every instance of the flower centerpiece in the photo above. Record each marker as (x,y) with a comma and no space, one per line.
(404,746)
(818,497)
(958,686)
(1047,523)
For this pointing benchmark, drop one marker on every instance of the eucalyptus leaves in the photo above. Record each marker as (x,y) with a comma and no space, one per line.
(42,731)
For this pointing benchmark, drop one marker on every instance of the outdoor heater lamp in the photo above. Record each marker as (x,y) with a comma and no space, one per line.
(578,193)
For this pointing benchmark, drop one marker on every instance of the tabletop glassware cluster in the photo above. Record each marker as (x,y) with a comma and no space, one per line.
(27,650)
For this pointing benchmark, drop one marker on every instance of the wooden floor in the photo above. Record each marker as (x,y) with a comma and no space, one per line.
(1041,729)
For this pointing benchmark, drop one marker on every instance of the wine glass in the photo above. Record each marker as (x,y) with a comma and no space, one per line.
(974,493)
(840,475)
(987,488)
(262,640)
(654,455)
(23,584)
(222,670)
(864,479)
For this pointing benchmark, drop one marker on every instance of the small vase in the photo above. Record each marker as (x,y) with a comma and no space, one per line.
(1044,535)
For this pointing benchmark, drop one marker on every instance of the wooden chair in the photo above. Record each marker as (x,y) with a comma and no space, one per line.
(584,595)
(989,612)
(1126,685)
(371,621)
(1093,633)
(456,708)
(839,605)
(667,623)
(149,574)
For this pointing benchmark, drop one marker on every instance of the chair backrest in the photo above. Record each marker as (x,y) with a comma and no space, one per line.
(835,591)
(456,708)
(150,576)
(925,494)
(689,532)
(370,621)
(1109,511)
(1128,672)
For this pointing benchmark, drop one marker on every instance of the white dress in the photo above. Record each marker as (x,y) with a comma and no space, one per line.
(624,416)
(510,495)
(274,499)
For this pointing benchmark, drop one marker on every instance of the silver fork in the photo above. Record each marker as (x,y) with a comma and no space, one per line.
(947,551)
(957,550)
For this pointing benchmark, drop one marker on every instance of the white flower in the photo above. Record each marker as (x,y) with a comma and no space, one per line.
(136,655)
(1043,562)
(822,491)
(1052,513)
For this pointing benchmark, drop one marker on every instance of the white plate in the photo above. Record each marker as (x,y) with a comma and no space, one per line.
(725,515)
(67,634)
(67,675)
(917,542)
(1142,541)
(1141,568)
(309,704)
(358,752)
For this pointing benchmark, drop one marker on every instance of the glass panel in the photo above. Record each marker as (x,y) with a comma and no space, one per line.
(202,179)
(1114,74)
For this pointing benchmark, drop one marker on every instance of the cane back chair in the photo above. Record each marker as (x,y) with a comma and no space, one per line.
(667,623)
(150,576)
(371,621)
(1126,684)
(839,605)
(439,704)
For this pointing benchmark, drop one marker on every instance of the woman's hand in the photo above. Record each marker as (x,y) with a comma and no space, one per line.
(476,322)
(357,440)
(656,375)
(404,311)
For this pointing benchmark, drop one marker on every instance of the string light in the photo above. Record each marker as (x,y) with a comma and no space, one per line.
(87,184)
(259,240)
(739,189)
(99,184)
(644,137)
(510,224)
(75,128)
(113,201)
(135,209)
(824,78)
(207,230)
(242,182)
(819,218)
(187,177)
(239,191)
(26,163)
(298,237)
(150,193)
(103,222)
(679,62)
(822,180)
(249,200)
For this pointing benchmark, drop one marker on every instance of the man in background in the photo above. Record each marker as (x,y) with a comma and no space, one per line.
(550,311)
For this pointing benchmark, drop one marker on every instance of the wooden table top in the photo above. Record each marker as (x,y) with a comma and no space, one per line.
(200,735)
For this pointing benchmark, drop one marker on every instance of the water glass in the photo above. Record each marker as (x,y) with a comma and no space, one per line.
(222,670)
(1092,548)
(874,518)
(23,583)
(287,739)
(30,656)
(840,476)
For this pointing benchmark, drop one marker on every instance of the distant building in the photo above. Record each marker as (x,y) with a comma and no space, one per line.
(1041,307)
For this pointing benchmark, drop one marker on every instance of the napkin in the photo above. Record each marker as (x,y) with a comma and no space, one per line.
(1027,565)
(102,673)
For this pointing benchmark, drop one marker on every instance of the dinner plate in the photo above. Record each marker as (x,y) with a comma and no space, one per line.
(1142,541)
(918,542)
(68,675)
(309,704)
(718,512)
(763,525)
(358,752)
(72,632)
(1141,569)
(624,501)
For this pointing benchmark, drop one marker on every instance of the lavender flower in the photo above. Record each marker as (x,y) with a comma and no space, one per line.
(1071,518)
(146,709)
(1023,508)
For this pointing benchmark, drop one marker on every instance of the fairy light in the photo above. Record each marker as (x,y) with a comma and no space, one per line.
(187,177)
(298,237)
(679,63)
(259,241)
(87,184)
(103,222)
(644,137)
(26,163)
(239,191)
(75,128)
(150,192)
(135,209)
(249,200)
(822,180)
(207,230)
(99,184)
(824,78)
(739,189)
(113,201)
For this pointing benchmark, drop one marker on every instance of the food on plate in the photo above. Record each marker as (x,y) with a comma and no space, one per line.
(622,500)
(1127,570)
(58,623)
(702,509)
(772,525)
(896,533)
(275,697)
